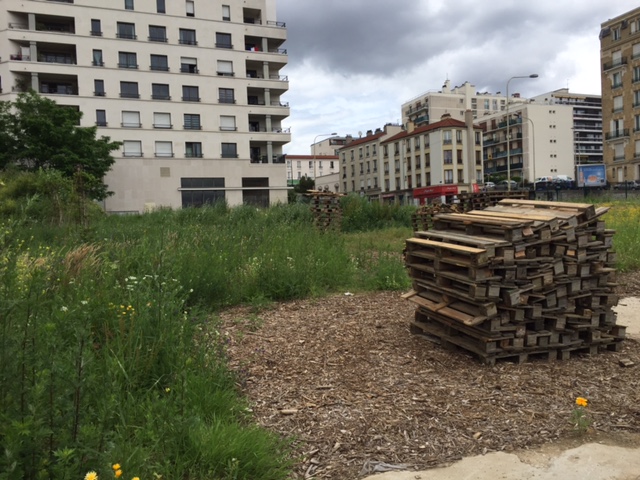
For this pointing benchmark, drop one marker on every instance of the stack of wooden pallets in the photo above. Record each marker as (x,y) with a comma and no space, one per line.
(518,280)
(326,209)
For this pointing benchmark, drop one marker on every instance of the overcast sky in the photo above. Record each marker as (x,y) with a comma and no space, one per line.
(352,63)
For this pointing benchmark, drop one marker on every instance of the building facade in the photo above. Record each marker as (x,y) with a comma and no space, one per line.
(193,90)
(620,72)
(541,142)
(311,166)
(431,106)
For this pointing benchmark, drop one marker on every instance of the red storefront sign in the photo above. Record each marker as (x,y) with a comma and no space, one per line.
(435,191)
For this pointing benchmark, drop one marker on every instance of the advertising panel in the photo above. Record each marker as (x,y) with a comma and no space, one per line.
(592,176)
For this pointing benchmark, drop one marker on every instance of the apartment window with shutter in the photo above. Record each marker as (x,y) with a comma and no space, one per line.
(190,93)
(225,68)
(162,120)
(617,103)
(164,149)
(228,123)
(132,148)
(188,65)
(192,121)
(96,28)
(127,60)
(131,119)
(229,150)
(226,13)
(126,30)
(97,59)
(128,4)
(191,9)
(160,6)
(193,149)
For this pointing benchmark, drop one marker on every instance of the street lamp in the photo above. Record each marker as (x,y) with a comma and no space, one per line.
(314,153)
(533,75)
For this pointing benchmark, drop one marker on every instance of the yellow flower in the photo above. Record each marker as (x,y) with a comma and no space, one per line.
(91,476)
(582,402)
(118,473)
(116,466)
(135,478)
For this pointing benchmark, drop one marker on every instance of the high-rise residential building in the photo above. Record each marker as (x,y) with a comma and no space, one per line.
(540,137)
(193,89)
(587,122)
(432,105)
(620,75)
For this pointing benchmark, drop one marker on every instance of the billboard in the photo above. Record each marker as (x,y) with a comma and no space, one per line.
(592,176)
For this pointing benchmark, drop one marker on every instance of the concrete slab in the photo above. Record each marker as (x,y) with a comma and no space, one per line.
(593,461)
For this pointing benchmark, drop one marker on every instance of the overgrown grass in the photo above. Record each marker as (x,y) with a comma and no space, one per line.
(624,218)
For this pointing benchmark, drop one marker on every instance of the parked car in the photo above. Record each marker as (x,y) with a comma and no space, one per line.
(628,185)
(504,185)
(488,186)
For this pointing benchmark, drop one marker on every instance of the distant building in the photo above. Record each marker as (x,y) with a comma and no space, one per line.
(541,141)
(310,166)
(620,72)
(194,91)
(361,161)
(432,105)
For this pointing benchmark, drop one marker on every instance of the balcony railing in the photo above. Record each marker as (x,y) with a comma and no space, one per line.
(20,57)
(282,78)
(615,64)
(617,134)
(276,24)
(282,51)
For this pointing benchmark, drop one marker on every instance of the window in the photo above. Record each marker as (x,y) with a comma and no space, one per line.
(229,150)
(97,58)
(160,91)
(164,149)
(615,33)
(226,13)
(127,60)
(617,126)
(159,62)
(193,149)
(160,6)
(201,191)
(190,93)
(98,88)
(129,90)
(162,120)
(192,121)
(157,33)
(459,156)
(191,9)
(447,156)
(636,75)
(223,40)
(188,65)
(126,30)
(228,123)
(448,176)
(447,137)
(616,79)
(225,68)
(257,191)
(132,148)
(226,95)
(101,118)
(131,119)
(459,136)
(188,37)
(96,27)
(636,98)
(128,4)
(617,103)
(636,123)
(636,50)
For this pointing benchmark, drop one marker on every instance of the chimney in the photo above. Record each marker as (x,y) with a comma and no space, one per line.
(446,88)
(445,116)
(410,126)
(369,133)
(378,130)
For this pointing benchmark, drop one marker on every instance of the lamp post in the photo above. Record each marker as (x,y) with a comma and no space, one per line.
(533,75)
(532,139)
(314,153)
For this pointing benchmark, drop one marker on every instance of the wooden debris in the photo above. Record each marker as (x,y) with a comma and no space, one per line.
(520,279)
(326,209)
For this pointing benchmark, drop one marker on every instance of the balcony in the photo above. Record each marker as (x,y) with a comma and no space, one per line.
(622,133)
(615,64)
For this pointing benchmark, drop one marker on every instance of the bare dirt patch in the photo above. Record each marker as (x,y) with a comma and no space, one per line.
(345,378)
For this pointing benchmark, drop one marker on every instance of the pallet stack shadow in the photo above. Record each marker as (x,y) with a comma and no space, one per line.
(518,280)
(326,209)
(422,219)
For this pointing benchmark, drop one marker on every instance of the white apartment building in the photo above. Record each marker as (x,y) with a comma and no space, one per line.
(541,141)
(430,106)
(310,166)
(192,88)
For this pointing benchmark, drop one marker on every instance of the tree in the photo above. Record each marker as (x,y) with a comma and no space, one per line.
(37,133)
(304,185)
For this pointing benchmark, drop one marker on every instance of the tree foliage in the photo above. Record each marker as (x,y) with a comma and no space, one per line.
(37,133)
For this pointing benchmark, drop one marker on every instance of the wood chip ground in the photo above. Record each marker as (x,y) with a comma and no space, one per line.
(344,377)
